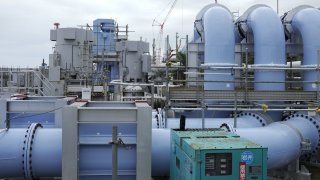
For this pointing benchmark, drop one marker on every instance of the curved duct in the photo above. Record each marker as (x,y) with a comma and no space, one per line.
(198,23)
(269,45)
(198,35)
(219,47)
(304,20)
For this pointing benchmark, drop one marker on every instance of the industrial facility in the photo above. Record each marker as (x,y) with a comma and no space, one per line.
(237,99)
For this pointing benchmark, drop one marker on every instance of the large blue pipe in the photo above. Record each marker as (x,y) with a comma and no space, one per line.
(219,46)
(305,21)
(265,26)
(283,140)
(45,153)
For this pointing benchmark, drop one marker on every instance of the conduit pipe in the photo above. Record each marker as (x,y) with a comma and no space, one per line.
(43,147)
(304,20)
(269,44)
(219,46)
(244,120)
(30,153)
(36,152)
(198,32)
(285,141)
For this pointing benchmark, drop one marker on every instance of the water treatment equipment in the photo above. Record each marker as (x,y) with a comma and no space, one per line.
(70,65)
(104,51)
(215,154)
(245,74)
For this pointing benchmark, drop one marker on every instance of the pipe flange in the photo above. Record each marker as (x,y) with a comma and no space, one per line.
(263,118)
(27,151)
(312,120)
(227,127)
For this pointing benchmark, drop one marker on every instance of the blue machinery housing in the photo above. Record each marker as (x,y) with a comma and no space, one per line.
(61,139)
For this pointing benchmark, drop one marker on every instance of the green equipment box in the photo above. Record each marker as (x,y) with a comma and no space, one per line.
(205,154)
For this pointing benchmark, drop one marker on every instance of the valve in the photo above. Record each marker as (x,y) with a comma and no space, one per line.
(264,107)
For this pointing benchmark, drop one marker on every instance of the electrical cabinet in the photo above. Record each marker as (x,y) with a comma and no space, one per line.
(215,154)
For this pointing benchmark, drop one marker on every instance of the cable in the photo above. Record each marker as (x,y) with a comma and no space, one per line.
(20,116)
(36,114)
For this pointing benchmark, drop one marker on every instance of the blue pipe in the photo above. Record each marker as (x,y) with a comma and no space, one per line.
(265,26)
(11,152)
(244,120)
(44,155)
(219,46)
(283,140)
(305,20)
(47,148)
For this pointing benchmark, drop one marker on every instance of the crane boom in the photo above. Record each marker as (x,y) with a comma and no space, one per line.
(161,24)
(169,12)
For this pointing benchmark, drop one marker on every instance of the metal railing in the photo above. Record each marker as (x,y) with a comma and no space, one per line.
(30,80)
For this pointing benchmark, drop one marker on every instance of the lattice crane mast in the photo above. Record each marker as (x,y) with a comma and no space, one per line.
(161,24)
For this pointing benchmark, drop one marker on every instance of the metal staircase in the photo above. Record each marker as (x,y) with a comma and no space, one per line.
(18,80)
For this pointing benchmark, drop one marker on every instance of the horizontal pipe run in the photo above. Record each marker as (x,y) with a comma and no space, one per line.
(242,109)
(217,81)
(283,143)
(306,68)
(242,122)
(283,140)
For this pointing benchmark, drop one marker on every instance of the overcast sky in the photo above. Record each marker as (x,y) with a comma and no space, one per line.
(25,24)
